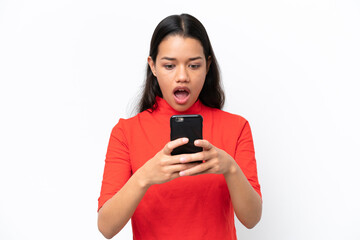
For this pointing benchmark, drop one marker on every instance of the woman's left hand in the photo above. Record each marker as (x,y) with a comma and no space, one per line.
(215,160)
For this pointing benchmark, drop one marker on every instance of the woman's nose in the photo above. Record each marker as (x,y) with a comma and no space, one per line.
(182,74)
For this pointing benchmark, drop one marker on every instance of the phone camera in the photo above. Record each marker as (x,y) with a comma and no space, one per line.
(179,119)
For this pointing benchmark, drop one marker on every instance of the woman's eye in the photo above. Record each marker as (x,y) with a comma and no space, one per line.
(194,66)
(169,66)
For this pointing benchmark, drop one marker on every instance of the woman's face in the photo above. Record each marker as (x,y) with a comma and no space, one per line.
(180,69)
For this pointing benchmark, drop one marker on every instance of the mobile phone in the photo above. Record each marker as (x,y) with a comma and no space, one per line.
(189,126)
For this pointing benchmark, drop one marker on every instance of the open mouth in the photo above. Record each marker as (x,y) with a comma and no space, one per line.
(181,94)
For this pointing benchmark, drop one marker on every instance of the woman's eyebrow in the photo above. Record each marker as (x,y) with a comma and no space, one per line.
(172,59)
(195,58)
(168,58)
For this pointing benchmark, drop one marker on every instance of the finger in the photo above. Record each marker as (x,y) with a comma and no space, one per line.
(206,145)
(174,144)
(196,170)
(172,171)
(193,157)
(181,158)
(178,159)
(176,168)
(196,174)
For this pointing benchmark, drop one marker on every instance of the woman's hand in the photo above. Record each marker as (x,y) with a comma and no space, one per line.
(214,160)
(246,201)
(164,167)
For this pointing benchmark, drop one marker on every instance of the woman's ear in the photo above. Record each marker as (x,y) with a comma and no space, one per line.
(151,65)
(208,63)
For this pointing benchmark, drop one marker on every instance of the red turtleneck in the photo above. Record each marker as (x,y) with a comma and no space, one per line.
(192,207)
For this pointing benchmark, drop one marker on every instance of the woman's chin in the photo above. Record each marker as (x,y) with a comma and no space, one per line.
(181,107)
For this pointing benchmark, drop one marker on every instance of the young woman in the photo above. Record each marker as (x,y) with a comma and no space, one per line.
(169,196)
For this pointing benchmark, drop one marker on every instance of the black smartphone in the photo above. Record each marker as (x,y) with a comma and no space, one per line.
(189,126)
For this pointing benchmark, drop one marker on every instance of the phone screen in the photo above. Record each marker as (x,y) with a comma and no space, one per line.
(189,126)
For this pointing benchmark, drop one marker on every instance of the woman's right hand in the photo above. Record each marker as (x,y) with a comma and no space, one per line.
(164,167)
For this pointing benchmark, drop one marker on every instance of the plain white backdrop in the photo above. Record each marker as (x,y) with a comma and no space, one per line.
(70,69)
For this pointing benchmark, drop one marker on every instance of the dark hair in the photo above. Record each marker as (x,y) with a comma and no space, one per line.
(184,25)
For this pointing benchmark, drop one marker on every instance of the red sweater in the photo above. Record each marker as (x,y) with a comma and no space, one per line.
(192,207)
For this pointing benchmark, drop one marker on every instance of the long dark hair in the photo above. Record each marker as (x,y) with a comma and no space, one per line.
(184,25)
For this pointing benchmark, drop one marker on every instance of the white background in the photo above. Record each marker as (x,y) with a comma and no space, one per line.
(70,69)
